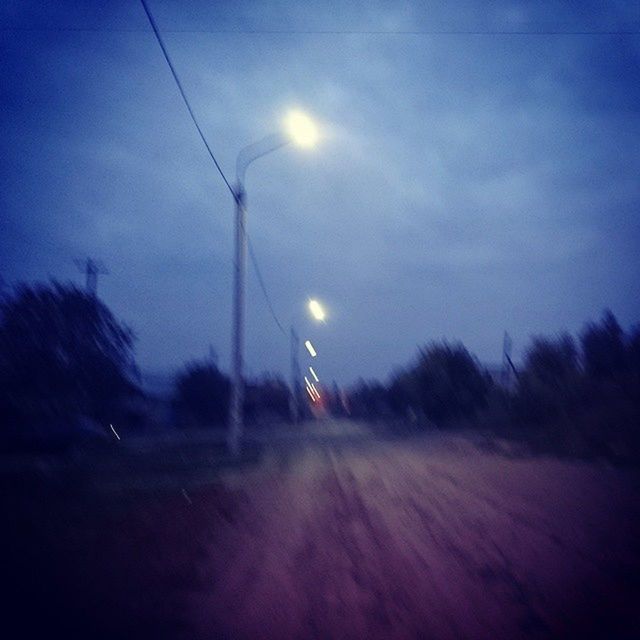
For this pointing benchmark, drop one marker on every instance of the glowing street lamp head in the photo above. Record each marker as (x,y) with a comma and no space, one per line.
(316,310)
(301,129)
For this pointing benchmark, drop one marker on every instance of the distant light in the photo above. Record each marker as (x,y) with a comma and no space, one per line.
(310,349)
(115,433)
(301,129)
(311,389)
(316,310)
(313,373)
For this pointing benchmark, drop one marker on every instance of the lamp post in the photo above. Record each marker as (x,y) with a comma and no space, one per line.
(302,131)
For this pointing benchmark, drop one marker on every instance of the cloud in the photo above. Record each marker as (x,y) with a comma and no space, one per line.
(456,173)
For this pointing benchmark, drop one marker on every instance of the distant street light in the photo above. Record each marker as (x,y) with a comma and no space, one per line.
(318,313)
(310,349)
(300,130)
(311,389)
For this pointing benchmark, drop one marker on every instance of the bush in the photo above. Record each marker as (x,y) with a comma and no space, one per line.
(201,396)
(549,384)
(445,384)
(267,400)
(368,400)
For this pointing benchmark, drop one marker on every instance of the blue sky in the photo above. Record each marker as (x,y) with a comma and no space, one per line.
(466,183)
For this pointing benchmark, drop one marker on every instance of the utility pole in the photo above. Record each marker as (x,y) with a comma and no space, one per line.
(239,270)
(507,363)
(295,377)
(92,270)
(506,350)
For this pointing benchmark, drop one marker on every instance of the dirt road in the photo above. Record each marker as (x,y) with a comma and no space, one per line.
(423,538)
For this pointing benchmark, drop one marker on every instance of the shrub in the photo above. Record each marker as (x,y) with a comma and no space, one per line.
(446,383)
(201,395)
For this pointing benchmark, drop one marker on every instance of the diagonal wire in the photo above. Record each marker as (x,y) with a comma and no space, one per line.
(622,31)
(235,195)
(154,26)
(254,261)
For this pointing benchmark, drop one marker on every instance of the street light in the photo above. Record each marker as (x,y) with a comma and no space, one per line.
(316,310)
(300,130)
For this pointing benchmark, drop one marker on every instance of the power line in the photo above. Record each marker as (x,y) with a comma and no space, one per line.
(254,261)
(154,26)
(93,269)
(204,140)
(345,32)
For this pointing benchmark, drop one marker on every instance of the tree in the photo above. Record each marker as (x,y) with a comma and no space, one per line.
(201,396)
(446,383)
(603,348)
(550,381)
(551,361)
(369,399)
(403,392)
(63,356)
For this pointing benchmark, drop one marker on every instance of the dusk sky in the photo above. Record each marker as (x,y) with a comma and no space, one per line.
(468,180)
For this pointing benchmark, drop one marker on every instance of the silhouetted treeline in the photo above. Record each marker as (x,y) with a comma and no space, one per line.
(444,384)
(579,396)
(202,395)
(369,399)
(67,368)
(67,372)
(583,396)
(267,400)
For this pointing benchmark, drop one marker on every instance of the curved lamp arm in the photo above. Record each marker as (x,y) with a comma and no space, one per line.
(257,150)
